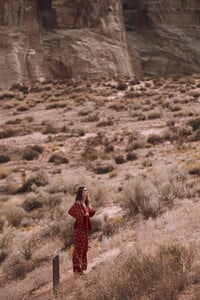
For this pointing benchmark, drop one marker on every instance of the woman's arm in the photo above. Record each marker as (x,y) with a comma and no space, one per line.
(76,211)
(91,212)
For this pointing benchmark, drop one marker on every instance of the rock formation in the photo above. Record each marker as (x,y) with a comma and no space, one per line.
(166,34)
(59,39)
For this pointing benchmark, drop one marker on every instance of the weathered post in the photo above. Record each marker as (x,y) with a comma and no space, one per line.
(56,275)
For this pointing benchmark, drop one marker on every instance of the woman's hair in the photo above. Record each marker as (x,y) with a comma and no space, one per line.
(79,193)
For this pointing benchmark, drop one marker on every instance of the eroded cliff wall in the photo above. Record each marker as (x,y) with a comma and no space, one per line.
(58,39)
(166,34)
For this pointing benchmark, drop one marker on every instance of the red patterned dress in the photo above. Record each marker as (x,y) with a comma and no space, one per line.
(82,224)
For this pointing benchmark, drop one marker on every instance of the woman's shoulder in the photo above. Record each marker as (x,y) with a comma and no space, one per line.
(77,203)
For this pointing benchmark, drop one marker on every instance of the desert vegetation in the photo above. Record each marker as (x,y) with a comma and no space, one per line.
(135,144)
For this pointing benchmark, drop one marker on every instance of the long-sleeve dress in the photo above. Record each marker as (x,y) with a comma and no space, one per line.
(81,227)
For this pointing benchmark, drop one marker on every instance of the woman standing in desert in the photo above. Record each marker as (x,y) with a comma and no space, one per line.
(81,211)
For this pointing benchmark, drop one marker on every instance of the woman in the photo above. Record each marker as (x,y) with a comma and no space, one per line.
(82,213)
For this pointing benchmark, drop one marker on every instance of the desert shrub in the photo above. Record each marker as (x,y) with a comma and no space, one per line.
(83,112)
(131,156)
(100,194)
(168,192)
(139,196)
(134,81)
(117,106)
(133,94)
(64,129)
(29,119)
(49,129)
(53,194)
(154,115)
(119,159)
(122,85)
(90,153)
(112,225)
(147,163)
(96,224)
(134,136)
(154,139)
(5,246)
(32,201)
(4,158)
(103,167)
(22,88)
(22,107)
(66,232)
(58,159)
(184,131)
(2,221)
(103,123)
(11,185)
(141,117)
(19,263)
(18,131)
(55,188)
(195,170)
(10,104)
(161,275)
(171,123)
(39,178)
(78,131)
(27,251)
(63,229)
(54,199)
(13,122)
(59,104)
(7,95)
(170,185)
(194,123)
(196,136)
(37,148)
(14,215)
(135,145)
(195,94)
(29,154)
(92,117)
(109,148)
(8,132)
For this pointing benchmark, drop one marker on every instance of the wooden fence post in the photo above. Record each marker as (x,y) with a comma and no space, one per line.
(56,275)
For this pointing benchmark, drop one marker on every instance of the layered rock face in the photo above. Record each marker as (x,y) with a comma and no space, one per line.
(166,34)
(58,39)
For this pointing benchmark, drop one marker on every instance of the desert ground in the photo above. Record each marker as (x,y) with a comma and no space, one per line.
(135,144)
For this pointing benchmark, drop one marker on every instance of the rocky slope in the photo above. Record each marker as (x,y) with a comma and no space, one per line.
(56,39)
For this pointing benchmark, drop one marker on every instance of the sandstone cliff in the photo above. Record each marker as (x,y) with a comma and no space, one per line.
(166,34)
(58,39)
(48,39)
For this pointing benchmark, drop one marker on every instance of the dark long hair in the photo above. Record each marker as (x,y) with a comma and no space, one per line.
(79,194)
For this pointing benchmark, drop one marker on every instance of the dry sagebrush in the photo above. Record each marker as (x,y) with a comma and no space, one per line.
(161,275)
(148,196)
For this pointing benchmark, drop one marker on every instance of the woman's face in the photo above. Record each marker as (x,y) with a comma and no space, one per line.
(85,192)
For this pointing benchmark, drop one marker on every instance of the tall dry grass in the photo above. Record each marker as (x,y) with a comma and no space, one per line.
(150,195)
(161,275)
